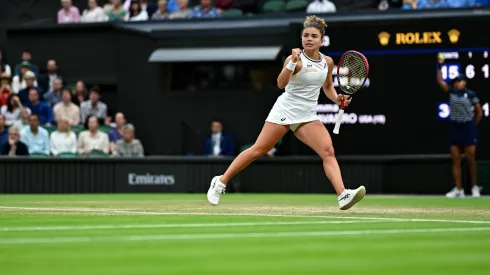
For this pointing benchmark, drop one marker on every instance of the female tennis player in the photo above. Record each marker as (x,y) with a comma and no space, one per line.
(466,113)
(304,73)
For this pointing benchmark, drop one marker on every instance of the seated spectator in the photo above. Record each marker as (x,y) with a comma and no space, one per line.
(162,12)
(63,140)
(117,133)
(136,13)
(80,94)
(5,89)
(92,139)
(66,109)
(321,6)
(34,137)
(24,119)
(46,81)
(410,4)
(173,6)
(30,80)
(481,3)
(4,67)
(128,146)
(205,10)
(13,146)
(68,13)
(19,81)
(432,4)
(93,106)
(219,143)
(26,59)
(117,12)
(3,130)
(39,108)
(460,3)
(108,6)
(183,10)
(223,5)
(53,97)
(13,110)
(93,13)
(150,8)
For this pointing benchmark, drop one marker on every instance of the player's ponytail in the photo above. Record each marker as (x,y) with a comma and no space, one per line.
(315,22)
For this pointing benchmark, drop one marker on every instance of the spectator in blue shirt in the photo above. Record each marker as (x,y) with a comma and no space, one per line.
(30,79)
(218,143)
(3,131)
(460,3)
(54,97)
(432,4)
(27,56)
(39,108)
(117,133)
(36,138)
(205,10)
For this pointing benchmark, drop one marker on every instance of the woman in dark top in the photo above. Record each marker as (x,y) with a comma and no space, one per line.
(466,113)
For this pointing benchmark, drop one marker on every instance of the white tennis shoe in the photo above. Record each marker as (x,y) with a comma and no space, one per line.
(475,191)
(455,193)
(350,197)
(215,190)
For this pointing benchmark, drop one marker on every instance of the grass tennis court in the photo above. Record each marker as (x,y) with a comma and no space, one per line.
(245,234)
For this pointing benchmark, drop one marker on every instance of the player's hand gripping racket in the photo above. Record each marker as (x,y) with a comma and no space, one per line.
(352,72)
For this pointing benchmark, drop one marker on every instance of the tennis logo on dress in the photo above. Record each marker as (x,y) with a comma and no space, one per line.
(283,119)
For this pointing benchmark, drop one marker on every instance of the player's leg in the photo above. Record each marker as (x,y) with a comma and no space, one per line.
(469,152)
(269,136)
(315,135)
(456,167)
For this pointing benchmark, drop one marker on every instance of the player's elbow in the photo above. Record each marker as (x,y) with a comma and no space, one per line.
(281,84)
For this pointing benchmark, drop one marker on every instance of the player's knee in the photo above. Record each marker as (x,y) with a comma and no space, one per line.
(470,157)
(258,151)
(456,157)
(327,152)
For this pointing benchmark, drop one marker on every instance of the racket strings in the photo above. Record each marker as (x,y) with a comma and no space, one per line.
(352,72)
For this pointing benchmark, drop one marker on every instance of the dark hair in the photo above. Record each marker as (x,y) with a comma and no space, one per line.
(34,115)
(131,12)
(95,88)
(35,89)
(88,119)
(315,22)
(217,120)
(66,89)
(10,107)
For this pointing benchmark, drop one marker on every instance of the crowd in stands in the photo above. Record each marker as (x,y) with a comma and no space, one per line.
(41,115)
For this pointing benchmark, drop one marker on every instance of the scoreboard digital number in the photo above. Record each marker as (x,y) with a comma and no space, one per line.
(474,65)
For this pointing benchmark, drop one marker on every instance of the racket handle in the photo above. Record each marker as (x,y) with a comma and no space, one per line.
(338,122)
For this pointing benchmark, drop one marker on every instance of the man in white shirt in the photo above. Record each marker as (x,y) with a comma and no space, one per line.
(321,6)
(36,138)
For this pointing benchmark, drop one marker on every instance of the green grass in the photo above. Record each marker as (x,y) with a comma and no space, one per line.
(245,234)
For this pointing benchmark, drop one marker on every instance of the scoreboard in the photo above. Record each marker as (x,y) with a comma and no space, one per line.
(402,110)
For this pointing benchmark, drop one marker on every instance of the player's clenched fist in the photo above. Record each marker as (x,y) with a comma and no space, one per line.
(295,54)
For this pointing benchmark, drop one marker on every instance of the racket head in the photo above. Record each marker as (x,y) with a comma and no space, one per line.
(352,72)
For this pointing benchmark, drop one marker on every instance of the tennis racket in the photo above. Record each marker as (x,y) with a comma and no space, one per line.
(352,72)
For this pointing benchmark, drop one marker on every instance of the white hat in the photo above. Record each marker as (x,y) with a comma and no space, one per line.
(29,74)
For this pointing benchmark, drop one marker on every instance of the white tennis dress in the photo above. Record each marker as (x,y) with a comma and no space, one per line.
(298,104)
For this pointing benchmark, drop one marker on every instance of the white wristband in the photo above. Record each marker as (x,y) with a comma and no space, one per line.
(291,66)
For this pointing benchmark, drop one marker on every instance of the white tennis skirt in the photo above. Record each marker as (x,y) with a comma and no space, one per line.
(292,113)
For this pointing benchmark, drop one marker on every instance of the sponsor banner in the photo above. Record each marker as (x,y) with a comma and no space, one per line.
(140,177)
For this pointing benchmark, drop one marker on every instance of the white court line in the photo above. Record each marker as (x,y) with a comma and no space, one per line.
(179,225)
(11,241)
(122,211)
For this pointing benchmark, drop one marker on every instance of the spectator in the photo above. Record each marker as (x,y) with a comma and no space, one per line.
(66,109)
(63,140)
(19,81)
(219,143)
(321,6)
(30,81)
(93,106)
(173,6)
(68,13)
(150,8)
(36,138)
(117,133)
(5,89)
(128,146)
(205,10)
(183,10)
(162,12)
(223,5)
(13,146)
(13,110)
(410,4)
(93,13)
(80,93)
(117,12)
(108,7)
(460,3)
(26,59)
(24,119)
(432,4)
(46,81)
(136,13)
(54,96)
(92,139)
(3,130)
(39,108)
(4,67)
